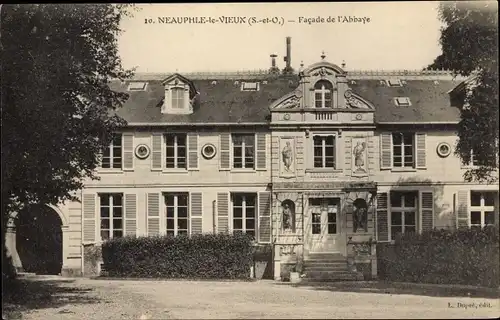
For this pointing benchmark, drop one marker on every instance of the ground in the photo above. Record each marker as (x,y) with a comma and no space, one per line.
(58,298)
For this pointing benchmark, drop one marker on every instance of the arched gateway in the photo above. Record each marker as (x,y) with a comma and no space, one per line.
(39,239)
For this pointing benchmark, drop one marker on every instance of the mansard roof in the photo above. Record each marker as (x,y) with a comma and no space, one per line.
(221,100)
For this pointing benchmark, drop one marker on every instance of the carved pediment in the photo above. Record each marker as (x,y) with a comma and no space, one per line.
(324,69)
(354,101)
(289,101)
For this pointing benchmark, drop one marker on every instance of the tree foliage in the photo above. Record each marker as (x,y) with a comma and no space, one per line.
(56,105)
(469,41)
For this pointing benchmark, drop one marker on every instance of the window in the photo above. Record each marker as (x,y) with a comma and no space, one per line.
(323,94)
(177,98)
(137,86)
(403,150)
(402,101)
(244,213)
(175,145)
(243,151)
(403,213)
(112,155)
(394,83)
(482,208)
(176,213)
(249,86)
(324,151)
(323,211)
(111,214)
(473,160)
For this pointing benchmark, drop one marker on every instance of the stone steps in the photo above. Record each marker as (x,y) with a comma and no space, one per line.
(328,266)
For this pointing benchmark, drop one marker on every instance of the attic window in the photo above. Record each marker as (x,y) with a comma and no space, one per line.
(249,86)
(137,86)
(394,83)
(402,101)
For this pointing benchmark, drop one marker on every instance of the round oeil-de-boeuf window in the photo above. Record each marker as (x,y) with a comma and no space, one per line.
(208,151)
(443,149)
(142,151)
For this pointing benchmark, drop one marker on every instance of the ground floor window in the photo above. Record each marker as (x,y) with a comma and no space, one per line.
(111,215)
(323,215)
(177,213)
(244,212)
(483,208)
(403,212)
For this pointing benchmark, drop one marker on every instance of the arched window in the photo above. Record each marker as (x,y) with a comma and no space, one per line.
(323,94)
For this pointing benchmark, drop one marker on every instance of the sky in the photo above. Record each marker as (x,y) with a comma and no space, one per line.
(386,36)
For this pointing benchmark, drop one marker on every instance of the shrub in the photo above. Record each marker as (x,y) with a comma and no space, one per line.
(220,256)
(465,256)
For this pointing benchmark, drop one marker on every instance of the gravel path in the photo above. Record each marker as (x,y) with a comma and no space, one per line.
(123,299)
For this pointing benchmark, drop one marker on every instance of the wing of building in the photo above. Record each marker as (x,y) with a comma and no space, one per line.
(318,163)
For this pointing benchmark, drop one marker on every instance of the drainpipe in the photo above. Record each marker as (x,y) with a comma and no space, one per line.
(214,216)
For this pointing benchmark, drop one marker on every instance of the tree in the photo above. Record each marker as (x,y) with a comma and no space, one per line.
(56,105)
(469,41)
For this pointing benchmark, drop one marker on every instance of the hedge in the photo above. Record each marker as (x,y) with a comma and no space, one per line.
(216,256)
(464,256)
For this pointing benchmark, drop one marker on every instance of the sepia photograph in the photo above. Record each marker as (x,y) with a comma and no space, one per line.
(305,160)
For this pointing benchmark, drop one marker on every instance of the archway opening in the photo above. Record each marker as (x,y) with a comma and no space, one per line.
(39,240)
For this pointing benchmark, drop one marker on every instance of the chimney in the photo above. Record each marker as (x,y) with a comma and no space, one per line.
(273,68)
(288,58)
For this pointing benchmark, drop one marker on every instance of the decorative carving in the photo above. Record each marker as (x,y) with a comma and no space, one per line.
(365,186)
(360,215)
(362,249)
(290,103)
(359,157)
(286,116)
(287,250)
(322,72)
(288,214)
(287,154)
(287,163)
(354,101)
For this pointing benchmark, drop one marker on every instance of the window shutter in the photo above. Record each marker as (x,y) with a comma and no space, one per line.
(261,160)
(130,214)
(156,151)
(427,210)
(264,217)
(89,217)
(420,150)
(222,212)
(128,151)
(382,216)
(463,209)
(192,151)
(153,214)
(385,151)
(225,151)
(196,203)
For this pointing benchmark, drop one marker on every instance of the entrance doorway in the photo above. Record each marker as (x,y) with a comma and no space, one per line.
(324,225)
(39,240)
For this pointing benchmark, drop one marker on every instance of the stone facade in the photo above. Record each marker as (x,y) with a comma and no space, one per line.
(324,179)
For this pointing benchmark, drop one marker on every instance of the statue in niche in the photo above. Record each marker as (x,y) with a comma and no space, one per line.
(287,154)
(360,215)
(288,215)
(359,157)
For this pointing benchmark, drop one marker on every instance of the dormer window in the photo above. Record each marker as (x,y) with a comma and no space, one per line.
(179,95)
(137,86)
(177,98)
(394,83)
(249,86)
(402,101)
(323,94)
